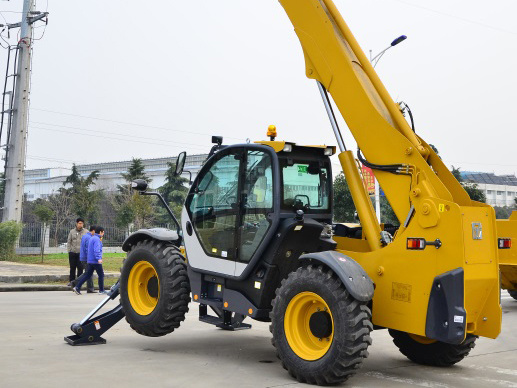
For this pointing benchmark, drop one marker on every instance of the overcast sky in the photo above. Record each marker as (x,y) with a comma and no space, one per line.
(121,78)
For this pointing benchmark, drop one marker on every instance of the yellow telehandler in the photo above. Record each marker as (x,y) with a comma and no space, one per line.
(260,244)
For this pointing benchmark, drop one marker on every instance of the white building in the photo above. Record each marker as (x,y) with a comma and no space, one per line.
(500,190)
(40,183)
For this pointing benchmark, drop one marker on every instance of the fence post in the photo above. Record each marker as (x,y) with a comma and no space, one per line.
(46,237)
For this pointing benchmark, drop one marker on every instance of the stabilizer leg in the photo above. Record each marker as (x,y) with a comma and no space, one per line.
(89,330)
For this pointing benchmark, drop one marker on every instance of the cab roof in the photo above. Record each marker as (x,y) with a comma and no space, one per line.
(279,146)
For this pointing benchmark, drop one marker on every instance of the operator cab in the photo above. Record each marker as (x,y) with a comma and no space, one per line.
(242,196)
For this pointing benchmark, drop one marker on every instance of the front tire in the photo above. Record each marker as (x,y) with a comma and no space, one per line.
(513,294)
(154,288)
(430,352)
(321,333)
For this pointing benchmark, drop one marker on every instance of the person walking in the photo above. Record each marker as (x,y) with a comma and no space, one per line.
(74,247)
(94,260)
(83,256)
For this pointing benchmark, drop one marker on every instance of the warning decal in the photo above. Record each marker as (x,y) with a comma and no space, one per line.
(401,292)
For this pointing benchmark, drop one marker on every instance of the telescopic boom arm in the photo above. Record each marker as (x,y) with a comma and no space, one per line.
(334,58)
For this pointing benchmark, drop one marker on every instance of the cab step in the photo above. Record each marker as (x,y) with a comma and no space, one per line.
(226,320)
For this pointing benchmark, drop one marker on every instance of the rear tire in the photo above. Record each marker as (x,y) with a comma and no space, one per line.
(513,294)
(154,288)
(308,356)
(432,353)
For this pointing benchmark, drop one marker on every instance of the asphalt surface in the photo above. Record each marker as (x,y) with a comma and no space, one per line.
(34,354)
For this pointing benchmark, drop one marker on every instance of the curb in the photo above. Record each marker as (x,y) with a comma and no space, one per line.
(33,287)
(36,287)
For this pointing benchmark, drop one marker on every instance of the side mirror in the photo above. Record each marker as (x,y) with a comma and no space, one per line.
(139,185)
(180,163)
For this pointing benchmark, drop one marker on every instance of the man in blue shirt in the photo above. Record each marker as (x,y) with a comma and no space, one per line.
(83,256)
(94,260)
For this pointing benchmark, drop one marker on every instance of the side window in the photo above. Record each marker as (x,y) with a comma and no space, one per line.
(258,193)
(213,208)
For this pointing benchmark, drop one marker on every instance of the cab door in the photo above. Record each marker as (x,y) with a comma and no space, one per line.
(212,213)
(255,218)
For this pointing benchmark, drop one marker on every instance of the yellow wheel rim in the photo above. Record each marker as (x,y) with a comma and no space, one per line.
(143,288)
(421,339)
(304,343)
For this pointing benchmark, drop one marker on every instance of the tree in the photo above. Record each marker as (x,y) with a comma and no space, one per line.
(61,203)
(471,188)
(502,212)
(132,207)
(84,200)
(173,191)
(44,214)
(344,208)
(388,216)
(136,171)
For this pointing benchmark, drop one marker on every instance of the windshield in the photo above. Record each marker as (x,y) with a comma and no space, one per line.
(306,186)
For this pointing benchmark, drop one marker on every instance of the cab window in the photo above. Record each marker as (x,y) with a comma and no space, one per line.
(213,207)
(258,196)
(306,185)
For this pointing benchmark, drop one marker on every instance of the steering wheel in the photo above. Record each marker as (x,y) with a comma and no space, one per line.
(231,199)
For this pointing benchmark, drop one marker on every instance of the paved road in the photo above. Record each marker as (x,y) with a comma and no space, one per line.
(33,353)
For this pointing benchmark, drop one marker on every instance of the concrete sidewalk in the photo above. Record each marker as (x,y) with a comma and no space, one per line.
(21,274)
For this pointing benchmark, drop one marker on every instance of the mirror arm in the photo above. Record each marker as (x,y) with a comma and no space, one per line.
(166,208)
(190,176)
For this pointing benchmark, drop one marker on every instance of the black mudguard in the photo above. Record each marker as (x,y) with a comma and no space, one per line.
(446,317)
(354,278)
(161,234)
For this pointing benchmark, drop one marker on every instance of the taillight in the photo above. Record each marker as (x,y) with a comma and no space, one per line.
(415,243)
(505,243)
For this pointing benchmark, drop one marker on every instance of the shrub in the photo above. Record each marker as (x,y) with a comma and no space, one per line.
(9,233)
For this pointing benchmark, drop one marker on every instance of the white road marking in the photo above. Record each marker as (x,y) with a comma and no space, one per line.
(396,379)
(511,372)
(504,383)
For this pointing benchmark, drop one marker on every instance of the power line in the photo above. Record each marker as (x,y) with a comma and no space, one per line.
(53,159)
(457,17)
(129,123)
(113,133)
(114,138)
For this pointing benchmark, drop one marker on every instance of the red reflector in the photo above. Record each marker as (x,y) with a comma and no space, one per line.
(505,243)
(415,243)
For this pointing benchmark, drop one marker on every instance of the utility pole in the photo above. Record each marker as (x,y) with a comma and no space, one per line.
(16,149)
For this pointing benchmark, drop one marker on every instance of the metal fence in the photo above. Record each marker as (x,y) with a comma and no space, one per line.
(56,236)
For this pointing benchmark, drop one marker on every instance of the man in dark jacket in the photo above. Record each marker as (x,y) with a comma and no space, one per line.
(94,261)
(83,256)
(74,247)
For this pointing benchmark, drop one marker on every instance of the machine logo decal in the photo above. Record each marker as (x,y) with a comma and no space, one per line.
(477,231)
